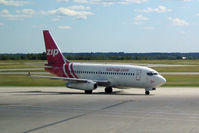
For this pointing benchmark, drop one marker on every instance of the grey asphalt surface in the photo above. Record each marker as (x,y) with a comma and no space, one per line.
(59,109)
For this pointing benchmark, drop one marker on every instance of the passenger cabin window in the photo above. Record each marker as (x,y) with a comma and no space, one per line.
(109,73)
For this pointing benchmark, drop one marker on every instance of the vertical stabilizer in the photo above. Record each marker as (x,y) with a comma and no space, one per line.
(53,52)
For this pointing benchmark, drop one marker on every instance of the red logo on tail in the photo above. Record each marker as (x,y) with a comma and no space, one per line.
(52,52)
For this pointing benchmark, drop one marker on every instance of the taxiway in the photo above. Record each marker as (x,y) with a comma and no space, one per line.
(58,109)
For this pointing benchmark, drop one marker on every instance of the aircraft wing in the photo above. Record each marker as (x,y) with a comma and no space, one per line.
(99,82)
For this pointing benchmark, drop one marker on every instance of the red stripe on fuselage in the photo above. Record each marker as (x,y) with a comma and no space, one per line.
(64,71)
(67,70)
(71,66)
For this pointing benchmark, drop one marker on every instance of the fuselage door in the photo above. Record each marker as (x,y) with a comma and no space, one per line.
(138,74)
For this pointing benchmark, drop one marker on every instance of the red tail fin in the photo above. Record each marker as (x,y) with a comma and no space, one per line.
(53,52)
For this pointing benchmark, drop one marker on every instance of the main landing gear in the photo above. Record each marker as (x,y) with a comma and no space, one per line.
(88,91)
(108,90)
(147,92)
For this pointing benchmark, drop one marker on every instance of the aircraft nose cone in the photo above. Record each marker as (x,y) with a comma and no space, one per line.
(162,80)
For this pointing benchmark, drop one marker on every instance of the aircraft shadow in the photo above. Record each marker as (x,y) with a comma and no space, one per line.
(114,93)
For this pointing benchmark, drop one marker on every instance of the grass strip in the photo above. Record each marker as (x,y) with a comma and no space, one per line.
(23,80)
(182,80)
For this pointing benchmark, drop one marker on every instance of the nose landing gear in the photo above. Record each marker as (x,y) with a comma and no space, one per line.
(147,90)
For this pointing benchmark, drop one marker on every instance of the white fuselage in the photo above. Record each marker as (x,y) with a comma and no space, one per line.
(120,76)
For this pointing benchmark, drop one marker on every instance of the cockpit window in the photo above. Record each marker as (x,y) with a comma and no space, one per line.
(152,73)
(155,73)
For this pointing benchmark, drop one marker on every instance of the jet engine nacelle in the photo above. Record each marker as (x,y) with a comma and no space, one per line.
(90,85)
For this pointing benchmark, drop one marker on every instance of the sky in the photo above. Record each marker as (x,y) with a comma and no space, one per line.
(131,26)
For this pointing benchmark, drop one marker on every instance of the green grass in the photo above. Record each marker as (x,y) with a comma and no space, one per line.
(178,69)
(174,62)
(22,80)
(10,64)
(15,66)
(182,80)
(22,61)
(42,70)
(171,62)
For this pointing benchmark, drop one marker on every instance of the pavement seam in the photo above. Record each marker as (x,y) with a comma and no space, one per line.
(74,117)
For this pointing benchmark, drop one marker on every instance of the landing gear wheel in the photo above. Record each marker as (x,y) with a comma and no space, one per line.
(147,92)
(88,91)
(108,90)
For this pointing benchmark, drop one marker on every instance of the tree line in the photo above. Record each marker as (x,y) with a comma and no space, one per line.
(104,56)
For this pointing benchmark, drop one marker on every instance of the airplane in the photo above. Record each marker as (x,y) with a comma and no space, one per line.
(88,76)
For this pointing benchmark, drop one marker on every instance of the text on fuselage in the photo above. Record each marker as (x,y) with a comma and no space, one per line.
(117,69)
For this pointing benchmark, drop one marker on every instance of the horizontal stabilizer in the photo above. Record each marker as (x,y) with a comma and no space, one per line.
(48,66)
